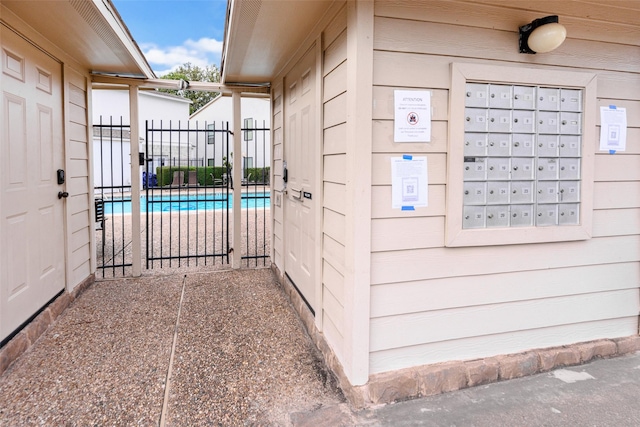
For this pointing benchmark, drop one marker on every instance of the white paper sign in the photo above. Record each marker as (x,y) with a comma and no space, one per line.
(412,116)
(613,128)
(409,182)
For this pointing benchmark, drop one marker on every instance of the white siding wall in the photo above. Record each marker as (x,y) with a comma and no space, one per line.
(334,102)
(430,303)
(277,182)
(79,203)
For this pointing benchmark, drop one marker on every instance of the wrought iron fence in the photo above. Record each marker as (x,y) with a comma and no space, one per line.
(186,199)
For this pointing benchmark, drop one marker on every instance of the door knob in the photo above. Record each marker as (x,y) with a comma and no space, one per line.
(62,194)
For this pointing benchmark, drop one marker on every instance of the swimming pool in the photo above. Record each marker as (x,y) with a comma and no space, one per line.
(190,202)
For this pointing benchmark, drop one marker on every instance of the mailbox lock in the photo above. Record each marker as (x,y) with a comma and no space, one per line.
(493,95)
(515,168)
(514,191)
(491,192)
(466,217)
(491,168)
(468,94)
(564,122)
(466,143)
(515,215)
(517,96)
(491,143)
(516,144)
(490,216)
(515,120)
(539,213)
(466,192)
(468,119)
(466,168)
(540,168)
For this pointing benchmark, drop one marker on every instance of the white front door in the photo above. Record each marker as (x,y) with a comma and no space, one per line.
(32,243)
(300,144)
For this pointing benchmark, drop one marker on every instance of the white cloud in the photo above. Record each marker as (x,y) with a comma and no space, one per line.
(205,44)
(202,52)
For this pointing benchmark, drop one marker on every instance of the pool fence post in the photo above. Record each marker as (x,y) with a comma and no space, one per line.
(136,244)
(236,255)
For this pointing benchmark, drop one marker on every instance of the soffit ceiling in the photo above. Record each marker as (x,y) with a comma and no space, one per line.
(90,31)
(262,35)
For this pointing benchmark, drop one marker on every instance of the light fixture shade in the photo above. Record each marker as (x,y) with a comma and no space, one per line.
(547,37)
(541,35)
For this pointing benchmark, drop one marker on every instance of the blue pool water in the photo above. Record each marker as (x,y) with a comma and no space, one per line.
(189,202)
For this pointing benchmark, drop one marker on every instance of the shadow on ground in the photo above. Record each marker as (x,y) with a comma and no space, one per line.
(218,348)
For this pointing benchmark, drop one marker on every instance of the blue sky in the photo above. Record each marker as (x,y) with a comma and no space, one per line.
(173,32)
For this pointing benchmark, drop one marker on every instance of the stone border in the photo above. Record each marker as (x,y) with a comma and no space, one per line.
(31,332)
(429,380)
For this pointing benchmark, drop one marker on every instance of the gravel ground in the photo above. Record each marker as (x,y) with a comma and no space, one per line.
(240,357)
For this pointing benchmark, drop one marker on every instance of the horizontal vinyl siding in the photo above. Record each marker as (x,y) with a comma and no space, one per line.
(470,302)
(79,211)
(278,149)
(334,113)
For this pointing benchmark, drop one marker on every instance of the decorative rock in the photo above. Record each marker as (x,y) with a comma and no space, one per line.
(518,365)
(387,388)
(628,344)
(59,305)
(559,356)
(12,350)
(604,348)
(438,379)
(38,326)
(483,371)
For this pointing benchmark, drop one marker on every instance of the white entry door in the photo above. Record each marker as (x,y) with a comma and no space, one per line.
(300,144)
(31,151)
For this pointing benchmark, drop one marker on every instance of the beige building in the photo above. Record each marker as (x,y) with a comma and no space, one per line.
(526,237)
(530,238)
(50,49)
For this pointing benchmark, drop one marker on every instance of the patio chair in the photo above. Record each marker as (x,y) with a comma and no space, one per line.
(193,178)
(216,181)
(178,179)
(227,178)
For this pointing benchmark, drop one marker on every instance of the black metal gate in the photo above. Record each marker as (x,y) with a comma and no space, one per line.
(186,196)
(112,196)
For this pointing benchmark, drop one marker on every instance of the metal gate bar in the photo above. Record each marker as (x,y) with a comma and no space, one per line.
(111,199)
(257,195)
(171,203)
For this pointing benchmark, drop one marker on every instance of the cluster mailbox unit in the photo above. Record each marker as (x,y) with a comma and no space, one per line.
(521,156)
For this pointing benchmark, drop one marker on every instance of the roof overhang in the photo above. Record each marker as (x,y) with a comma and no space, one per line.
(90,31)
(262,35)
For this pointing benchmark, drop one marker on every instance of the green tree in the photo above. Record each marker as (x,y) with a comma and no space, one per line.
(193,73)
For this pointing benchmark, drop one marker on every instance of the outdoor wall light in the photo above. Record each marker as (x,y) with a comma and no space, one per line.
(542,35)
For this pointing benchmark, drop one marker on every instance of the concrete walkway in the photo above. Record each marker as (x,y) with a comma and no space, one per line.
(226,349)
(222,348)
(603,393)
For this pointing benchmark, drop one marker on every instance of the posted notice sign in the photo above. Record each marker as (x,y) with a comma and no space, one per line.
(412,116)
